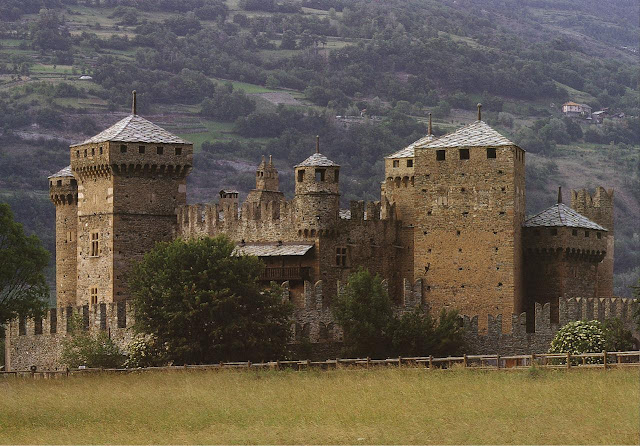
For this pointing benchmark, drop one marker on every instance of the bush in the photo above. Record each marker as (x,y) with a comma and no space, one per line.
(619,339)
(144,351)
(90,349)
(418,334)
(580,337)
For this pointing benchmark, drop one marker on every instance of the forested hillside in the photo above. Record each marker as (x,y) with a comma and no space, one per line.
(242,78)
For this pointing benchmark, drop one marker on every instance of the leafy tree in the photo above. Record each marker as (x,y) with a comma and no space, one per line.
(88,349)
(288,40)
(365,313)
(619,339)
(417,334)
(203,304)
(228,105)
(49,33)
(23,288)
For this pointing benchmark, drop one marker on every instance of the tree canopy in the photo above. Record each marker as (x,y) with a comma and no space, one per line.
(23,288)
(203,304)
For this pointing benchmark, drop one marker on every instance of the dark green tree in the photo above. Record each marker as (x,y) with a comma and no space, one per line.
(23,288)
(89,349)
(203,304)
(364,311)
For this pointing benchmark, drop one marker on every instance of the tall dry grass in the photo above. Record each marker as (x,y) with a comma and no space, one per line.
(343,406)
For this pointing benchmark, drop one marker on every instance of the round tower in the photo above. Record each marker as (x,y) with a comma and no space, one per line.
(63,190)
(317,193)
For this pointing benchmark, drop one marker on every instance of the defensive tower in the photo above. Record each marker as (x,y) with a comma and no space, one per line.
(470,206)
(63,191)
(267,184)
(131,178)
(317,192)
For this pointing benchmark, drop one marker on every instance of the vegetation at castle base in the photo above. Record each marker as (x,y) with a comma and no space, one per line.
(375,406)
(203,305)
(89,349)
(371,329)
(23,288)
(592,336)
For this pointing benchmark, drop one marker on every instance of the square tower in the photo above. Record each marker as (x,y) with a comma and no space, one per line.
(131,178)
(470,189)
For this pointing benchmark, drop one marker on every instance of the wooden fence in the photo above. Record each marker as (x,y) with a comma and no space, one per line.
(602,360)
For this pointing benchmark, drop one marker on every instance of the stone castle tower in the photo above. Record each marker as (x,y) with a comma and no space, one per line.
(63,189)
(317,193)
(267,184)
(130,179)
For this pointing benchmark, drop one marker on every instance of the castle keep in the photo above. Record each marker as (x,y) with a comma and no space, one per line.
(449,231)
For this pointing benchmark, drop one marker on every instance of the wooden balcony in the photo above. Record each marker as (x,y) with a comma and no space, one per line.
(286,273)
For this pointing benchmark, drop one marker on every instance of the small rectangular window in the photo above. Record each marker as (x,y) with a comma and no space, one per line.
(341,256)
(574,232)
(94,296)
(300,176)
(93,151)
(178,150)
(409,163)
(123,148)
(586,233)
(336,176)
(440,155)
(141,149)
(95,244)
(77,154)
(85,153)
(464,154)
(320,174)
(100,150)
(554,231)
(491,152)
(160,150)
(396,163)
(599,235)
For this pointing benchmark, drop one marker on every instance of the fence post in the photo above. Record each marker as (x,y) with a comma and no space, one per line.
(497,361)
(430,362)
(248,364)
(399,361)
(604,359)
(568,360)
(464,360)
(533,359)
(618,359)
(368,361)
(278,364)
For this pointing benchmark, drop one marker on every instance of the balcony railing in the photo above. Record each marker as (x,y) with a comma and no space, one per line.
(286,273)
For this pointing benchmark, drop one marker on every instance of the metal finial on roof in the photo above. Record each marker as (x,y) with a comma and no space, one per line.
(559,194)
(263,159)
(429,131)
(270,160)
(317,143)
(133,104)
(479,111)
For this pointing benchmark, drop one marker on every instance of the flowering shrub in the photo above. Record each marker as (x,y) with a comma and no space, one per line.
(143,352)
(580,337)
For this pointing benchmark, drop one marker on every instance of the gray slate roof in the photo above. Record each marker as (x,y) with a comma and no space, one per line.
(66,172)
(134,128)
(409,151)
(317,160)
(561,215)
(272,249)
(477,133)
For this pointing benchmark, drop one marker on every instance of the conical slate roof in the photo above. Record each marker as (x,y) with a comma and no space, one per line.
(317,160)
(134,128)
(66,172)
(562,215)
(409,151)
(477,133)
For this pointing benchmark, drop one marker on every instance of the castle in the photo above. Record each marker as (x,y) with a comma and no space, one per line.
(449,231)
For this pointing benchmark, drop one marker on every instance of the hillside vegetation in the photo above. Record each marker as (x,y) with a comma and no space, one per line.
(242,78)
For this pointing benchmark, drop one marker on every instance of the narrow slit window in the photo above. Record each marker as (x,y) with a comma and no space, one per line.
(95,244)
(141,149)
(341,256)
(159,150)
(300,176)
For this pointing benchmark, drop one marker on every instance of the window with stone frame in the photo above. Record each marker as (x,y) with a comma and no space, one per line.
(320,174)
(94,250)
(94,296)
(464,154)
(341,256)
(441,155)
(491,152)
(409,163)
(396,163)
(300,176)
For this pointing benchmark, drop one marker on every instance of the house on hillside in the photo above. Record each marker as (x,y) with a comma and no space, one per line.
(574,110)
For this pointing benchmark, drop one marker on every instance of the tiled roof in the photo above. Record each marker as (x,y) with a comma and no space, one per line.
(409,151)
(562,215)
(134,128)
(272,249)
(475,134)
(66,172)
(317,159)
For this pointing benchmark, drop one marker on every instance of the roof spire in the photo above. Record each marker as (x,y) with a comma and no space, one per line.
(479,111)
(317,143)
(559,194)
(270,160)
(133,104)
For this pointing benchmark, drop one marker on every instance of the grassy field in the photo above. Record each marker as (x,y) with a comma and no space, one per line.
(346,406)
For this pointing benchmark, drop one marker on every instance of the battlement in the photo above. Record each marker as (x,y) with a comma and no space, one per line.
(597,207)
